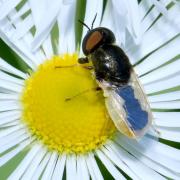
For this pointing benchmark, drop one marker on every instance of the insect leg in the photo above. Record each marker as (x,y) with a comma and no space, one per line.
(70,66)
(88,67)
(83,60)
(83,92)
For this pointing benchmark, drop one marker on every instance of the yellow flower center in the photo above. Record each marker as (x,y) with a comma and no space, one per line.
(62,107)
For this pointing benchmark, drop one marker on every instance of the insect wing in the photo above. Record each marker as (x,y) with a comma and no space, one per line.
(129,108)
(143,116)
(114,104)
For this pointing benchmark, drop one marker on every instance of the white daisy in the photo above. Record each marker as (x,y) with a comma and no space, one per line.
(76,140)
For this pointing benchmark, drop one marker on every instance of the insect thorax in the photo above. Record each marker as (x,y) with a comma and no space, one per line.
(111,64)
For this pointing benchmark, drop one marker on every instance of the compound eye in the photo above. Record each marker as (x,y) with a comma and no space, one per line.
(93,40)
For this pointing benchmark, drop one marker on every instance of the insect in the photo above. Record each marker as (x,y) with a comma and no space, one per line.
(125,99)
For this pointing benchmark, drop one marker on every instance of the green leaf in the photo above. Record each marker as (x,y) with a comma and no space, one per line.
(11,57)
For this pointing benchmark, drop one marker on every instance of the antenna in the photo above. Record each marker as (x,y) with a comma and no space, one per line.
(84,24)
(93,21)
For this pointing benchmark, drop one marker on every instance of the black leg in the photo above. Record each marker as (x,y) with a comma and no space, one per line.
(88,67)
(83,60)
(70,66)
(83,92)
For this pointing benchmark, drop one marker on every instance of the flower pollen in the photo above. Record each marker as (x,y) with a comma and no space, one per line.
(63,109)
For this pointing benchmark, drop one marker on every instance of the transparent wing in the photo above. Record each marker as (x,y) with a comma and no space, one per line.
(114,104)
(129,108)
(144,104)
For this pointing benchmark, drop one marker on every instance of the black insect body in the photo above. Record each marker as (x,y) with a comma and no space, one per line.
(125,100)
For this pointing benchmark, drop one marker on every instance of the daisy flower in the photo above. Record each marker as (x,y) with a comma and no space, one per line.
(47,137)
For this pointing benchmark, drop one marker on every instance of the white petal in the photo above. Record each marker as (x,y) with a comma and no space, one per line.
(10,130)
(170,134)
(7,6)
(152,15)
(59,169)
(4,96)
(167,119)
(4,90)
(47,174)
(8,113)
(47,47)
(109,166)
(22,44)
(20,49)
(45,26)
(7,105)
(20,13)
(115,18)
(148,161)
(9,116)
(118,162)
(158,147)
(67,1)
(165,105)
(67,28)
(39,56)
(157,36)
(26,41)
(162,72)
(160,6)
(92,7)
(5,158)
(162,84)
(8,68)
(10,87)
(93,168)
(6,77)
(165,97)
(18,172)
(24,27)
(158,157)
(6,27)
(13,143)
(82,169)
(135,165)
(41,167)
(38,8)
(119,13)
(12,137)
(134,20)
(107,19)
(158,58)
(144,7)
(71,172)
(34,164)
(11,124)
